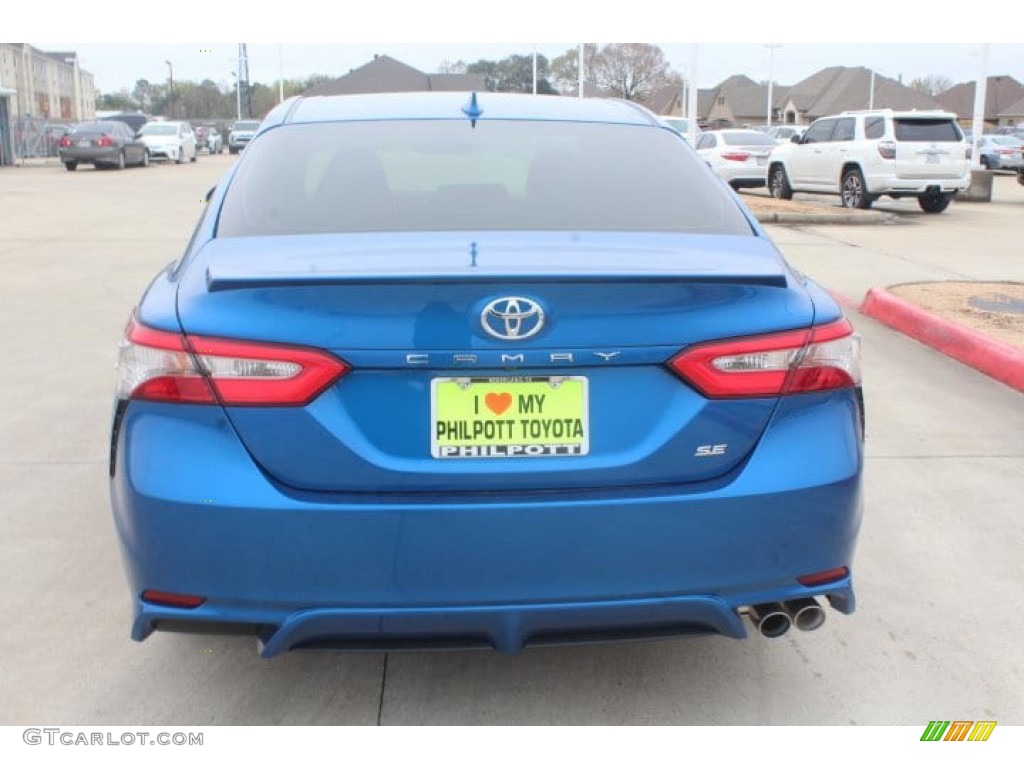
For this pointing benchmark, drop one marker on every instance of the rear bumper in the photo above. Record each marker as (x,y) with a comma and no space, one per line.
(892,185)
(196,516)
(744,175)
(90,154)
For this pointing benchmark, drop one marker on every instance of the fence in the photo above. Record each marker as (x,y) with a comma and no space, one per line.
(37,136)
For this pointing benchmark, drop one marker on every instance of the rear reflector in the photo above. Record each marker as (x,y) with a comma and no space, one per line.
(824,577)
(172,599)
(169,367)
(808,360)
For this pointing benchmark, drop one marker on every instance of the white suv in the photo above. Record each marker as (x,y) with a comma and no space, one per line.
(863,155)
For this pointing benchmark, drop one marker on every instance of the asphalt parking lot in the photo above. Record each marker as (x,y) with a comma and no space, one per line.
(939,568)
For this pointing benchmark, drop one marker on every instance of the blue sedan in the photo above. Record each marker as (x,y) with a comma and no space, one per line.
(440,370)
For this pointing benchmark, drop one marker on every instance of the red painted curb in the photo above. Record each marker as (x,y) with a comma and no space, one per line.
(997,359)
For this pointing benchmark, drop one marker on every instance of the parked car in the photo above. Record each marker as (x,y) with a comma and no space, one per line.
(505,370)
(170,139)
(102,143)
(738,156)
(863,155)
(241,134)
(1000,153)
(214,141)
(783,133)
(680,125)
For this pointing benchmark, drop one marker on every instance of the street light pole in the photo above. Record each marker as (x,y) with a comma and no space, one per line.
(238,96)
(170,87)
(580,68)
(771,78)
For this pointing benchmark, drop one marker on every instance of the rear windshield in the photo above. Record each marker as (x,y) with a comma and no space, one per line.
(95,128)
(437,175)
(158,129)
(250,126)
(917,129)
(748,139)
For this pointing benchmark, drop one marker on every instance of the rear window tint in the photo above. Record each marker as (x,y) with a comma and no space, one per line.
(918,129)
(436,175)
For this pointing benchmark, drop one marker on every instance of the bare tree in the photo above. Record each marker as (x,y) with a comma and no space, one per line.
(632,71)
(448,67)
(564,70)
(933,85)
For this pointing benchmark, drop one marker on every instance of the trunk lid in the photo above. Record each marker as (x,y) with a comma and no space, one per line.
(408,313)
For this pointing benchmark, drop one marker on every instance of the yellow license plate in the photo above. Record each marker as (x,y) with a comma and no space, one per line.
(509,417)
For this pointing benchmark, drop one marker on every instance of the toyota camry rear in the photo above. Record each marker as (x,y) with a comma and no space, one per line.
(441,371)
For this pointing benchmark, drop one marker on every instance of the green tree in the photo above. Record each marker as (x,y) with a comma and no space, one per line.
(122,100)
(143,95)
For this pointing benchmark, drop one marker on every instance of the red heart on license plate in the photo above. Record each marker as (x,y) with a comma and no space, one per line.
(498,402)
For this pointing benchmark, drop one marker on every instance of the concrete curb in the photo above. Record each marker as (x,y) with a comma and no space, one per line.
(823,218)
(997,359)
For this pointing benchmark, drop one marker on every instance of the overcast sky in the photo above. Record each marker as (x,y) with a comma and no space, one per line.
(732,37)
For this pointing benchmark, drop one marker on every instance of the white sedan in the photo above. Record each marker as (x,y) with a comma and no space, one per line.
(172,139)
(738,156)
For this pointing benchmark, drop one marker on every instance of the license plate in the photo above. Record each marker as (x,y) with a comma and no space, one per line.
(509,417)
(931,159)
(762,160)
(84,143)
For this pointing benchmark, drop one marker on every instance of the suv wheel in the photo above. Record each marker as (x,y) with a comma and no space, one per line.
(778,184)
(854,192)
(935,203)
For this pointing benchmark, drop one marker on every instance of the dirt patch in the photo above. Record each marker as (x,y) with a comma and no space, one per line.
(994,309)
(761,204)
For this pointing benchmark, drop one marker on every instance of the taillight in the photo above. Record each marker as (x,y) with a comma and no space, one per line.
(824,577)
(887,149)
(65,142)
(172,599)
(104,141)
(169,367)
(739,157)
(808,360)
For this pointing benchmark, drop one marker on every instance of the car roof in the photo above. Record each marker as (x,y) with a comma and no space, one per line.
(449,105)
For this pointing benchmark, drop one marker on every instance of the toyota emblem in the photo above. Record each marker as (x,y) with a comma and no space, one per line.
(511,318)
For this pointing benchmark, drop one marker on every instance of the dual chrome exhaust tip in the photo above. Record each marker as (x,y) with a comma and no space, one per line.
(775,619)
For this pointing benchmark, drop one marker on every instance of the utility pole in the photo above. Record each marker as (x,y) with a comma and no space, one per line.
(871,96)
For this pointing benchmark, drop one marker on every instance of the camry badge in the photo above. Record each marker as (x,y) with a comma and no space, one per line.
(512,318)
